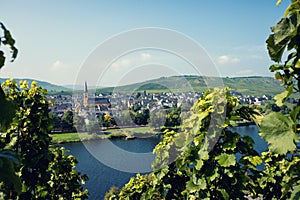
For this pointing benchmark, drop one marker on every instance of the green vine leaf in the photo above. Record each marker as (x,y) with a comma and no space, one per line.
(278,2)
(280,98)
(277,130)
(7,40)
(224,194)
(7,171)
(285,29)
(226,160)
(7,111)
(296,193)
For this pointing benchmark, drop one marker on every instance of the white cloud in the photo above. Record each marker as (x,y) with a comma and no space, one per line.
(118,65)
(225,59)
(145,56)
(58,66)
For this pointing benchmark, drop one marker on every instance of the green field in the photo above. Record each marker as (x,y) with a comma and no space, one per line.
(72,137)
(58,138)
(134,130)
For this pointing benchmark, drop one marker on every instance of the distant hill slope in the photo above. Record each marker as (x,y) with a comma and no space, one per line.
(49,86)
(254,85)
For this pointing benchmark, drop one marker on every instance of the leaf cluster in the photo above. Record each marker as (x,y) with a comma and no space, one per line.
(44,171)
(205,160)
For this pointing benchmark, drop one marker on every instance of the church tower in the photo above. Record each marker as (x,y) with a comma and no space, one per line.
(85,95)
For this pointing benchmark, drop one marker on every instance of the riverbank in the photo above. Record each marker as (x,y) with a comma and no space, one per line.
(144,131)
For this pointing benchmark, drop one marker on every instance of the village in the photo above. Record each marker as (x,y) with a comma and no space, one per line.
(129,109)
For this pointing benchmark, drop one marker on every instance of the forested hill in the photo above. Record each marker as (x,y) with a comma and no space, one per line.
(49,86)
(254,85)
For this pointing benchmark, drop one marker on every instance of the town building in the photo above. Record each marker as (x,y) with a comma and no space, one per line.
(98,103)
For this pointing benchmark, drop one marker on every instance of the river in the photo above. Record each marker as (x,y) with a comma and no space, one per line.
(117,170)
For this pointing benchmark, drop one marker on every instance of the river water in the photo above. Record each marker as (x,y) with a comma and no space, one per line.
(114,169)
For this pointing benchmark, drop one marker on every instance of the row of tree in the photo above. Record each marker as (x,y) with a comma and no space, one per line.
(69,122)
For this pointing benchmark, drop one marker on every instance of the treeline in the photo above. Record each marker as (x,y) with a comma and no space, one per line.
(167,118)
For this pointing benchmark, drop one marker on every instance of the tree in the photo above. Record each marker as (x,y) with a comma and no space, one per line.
(173,117)
(107,120)
(57,123)
(67,121)
(93,126)
(79,123)
(41,166)
(124,119)
(157,119)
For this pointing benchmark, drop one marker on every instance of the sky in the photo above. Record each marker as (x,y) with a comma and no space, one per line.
(120,42)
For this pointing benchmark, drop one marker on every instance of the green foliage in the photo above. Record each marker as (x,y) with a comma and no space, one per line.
(112,193)
(226,160)
(277,129)
(280,177)
(7,107)
(67,121)
(139,116)
(6,111)
(45,172)
(173,118)
(93,126)
(8,159)
(8,41)
(65,182)
(8,176)
(200,162)
(107,120)
(157,119)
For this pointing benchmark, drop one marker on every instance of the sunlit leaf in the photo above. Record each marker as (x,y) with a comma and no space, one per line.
(296,193)
(278,2)
(280,98)
(297,64)
(226,160)
(191,187)
(224,194)
(277,130)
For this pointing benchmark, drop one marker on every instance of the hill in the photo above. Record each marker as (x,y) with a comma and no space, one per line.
(253,85)
(49,86)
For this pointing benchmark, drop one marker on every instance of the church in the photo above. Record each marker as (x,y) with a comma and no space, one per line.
(99,103)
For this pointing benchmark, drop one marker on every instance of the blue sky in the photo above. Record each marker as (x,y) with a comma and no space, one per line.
(55,38)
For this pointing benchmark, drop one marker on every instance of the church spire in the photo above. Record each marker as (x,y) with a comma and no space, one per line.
(85,87)
(85,95)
